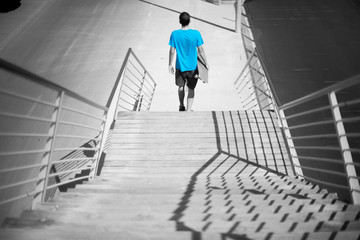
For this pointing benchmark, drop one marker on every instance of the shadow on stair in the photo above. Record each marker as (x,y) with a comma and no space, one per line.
(215,170)
(84,174)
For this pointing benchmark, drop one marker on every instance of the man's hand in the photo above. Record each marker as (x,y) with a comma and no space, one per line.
(172,51)
(171,69)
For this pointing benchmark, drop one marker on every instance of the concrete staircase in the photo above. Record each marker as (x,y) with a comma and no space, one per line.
(195,176)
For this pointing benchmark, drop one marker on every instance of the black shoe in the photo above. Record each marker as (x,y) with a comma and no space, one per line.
(182,109)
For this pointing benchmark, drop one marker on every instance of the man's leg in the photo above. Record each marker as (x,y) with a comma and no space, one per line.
(181,92)
(191,84)
(179,81)
(190,98)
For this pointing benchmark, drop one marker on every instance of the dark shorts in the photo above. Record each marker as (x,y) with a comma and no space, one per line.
(188,77)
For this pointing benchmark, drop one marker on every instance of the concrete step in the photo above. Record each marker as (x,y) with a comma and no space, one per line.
(91,233)
(270,163)
(194,114)
(76,199)
(211,167)
(111,220)
(211,183)
(178,150)
(244,227)
(205,142)
(249,156)
(350,235)
(324,216)
(130,208)
(242,130)
(224,138)
(124,138)
(201,188)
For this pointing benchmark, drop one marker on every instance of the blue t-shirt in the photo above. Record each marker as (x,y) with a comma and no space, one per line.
(186,42)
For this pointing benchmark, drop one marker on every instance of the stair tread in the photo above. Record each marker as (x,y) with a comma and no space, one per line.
(350,235)
(84,233)
(154,220)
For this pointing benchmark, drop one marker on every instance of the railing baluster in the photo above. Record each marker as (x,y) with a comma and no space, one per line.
(98,154)
(140,92)
(345,149)
(290,143)
(47,158)
(257,87)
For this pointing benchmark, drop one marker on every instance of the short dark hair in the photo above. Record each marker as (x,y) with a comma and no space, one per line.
(184,19)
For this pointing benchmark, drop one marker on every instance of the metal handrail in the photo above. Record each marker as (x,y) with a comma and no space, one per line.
(294,123)
(335,87)
(58,157)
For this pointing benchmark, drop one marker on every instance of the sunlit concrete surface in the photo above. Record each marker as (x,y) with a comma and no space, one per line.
(82,44)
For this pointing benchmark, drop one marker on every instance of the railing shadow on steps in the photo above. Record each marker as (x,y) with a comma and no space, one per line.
(263,155)
(321,129)
(51,137)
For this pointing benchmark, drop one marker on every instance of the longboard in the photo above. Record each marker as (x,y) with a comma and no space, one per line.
(203,71)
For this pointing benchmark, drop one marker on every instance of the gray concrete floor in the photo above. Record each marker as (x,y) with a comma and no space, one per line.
(82,44)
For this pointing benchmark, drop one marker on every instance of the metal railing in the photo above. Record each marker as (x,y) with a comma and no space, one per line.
(51,137)
(252,85)
(321,129)
(138,87)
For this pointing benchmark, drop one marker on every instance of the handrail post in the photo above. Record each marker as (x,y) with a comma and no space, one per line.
(245,66)
(47,158)
(254,86)
(152,96)
(290,142)
(345,149)
(139,100)
(238,8)
(97,156)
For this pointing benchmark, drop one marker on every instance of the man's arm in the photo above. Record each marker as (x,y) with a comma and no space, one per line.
(171,59)
(201,53)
